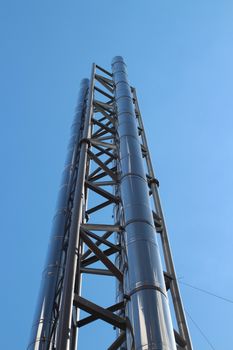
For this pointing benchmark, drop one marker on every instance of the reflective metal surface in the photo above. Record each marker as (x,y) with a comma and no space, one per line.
(105,160)
(184,338)
(147,307)
(46,315)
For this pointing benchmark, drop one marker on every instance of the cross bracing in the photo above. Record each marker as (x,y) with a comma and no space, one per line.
(95,225)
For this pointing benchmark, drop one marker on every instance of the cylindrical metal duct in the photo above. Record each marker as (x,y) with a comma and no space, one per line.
(147,308)
(46,316)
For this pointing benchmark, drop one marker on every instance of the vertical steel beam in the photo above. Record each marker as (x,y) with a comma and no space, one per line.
(147,309)
(64,327)
(175,292)
(46,316)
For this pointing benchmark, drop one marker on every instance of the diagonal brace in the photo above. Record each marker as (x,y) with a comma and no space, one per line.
(102,192)
(102,257)
(100,239)
(92,318)
(93,259)
(102,165)
(118,342)
(98,243)
(99,312)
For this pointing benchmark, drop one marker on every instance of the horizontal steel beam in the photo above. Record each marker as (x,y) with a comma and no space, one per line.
(101,227)
(93,271)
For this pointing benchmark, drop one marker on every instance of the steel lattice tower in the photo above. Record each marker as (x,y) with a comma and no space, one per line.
(108,165)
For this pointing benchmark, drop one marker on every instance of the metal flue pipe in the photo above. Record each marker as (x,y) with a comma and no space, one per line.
(46,316)
(105,141)
(147,307)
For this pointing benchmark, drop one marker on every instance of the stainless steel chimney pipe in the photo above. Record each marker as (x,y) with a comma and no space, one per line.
(147,307)
(105,140)
(46,316)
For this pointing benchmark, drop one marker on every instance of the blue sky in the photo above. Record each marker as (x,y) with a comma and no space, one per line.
(179,56)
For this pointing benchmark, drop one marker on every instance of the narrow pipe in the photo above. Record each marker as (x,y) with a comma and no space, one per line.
(64,327)
(147,309)
(46,315)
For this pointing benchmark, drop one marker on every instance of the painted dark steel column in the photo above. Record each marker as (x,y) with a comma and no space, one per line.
(46,316)
(147,308)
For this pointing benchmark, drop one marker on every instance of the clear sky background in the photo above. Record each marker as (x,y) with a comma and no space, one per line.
(179,55)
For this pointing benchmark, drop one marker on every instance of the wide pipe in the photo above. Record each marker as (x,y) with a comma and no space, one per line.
(45,315)
(147,308)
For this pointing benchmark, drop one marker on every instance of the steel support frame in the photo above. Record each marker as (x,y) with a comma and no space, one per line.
(44,328)
(182,336)
(98,176)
